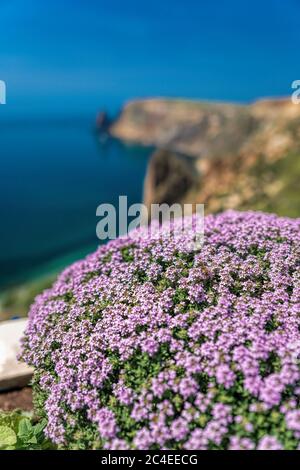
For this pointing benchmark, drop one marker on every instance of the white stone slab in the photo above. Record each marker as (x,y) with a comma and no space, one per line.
(12,372)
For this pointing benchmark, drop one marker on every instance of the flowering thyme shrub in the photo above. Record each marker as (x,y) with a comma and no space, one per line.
(145,344)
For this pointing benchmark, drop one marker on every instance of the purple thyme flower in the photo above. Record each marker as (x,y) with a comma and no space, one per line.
(148,344)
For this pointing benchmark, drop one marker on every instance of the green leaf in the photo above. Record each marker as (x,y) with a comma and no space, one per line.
(7,437)
(25,429)
(39,428)
(11,419)
(32,440)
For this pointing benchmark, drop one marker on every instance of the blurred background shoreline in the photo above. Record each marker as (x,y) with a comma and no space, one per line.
(158,150)
(64,62)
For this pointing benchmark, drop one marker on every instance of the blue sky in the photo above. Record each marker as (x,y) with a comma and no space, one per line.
(75,56)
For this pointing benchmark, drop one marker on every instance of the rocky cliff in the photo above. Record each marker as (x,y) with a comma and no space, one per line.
(222,155)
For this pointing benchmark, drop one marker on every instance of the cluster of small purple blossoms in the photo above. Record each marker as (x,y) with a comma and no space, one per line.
(147,344)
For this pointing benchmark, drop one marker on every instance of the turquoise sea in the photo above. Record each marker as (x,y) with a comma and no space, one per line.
(54,174)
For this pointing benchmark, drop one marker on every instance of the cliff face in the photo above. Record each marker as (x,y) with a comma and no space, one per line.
(234,156)
(170,176)
(192,128)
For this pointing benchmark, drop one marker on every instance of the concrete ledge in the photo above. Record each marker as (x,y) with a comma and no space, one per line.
(12,373)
